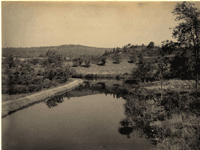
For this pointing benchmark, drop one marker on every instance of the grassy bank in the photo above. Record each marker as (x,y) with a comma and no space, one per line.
(11,106)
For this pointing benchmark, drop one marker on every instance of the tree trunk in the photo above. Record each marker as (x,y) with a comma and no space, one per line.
(197,78)
(161,77)
(144,80)
(196,66)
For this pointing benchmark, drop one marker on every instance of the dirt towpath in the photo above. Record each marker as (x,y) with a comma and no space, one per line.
(14,105)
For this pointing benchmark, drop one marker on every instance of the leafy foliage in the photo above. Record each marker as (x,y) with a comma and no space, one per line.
(87,63)
(116,58)
(133,58)
(144,70)
(151,45)
(21,76)
(187,32)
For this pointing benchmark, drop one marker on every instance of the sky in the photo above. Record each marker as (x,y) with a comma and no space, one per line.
(99,24)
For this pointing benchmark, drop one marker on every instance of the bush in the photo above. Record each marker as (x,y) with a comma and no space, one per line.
(17,89)
(87,63)
(116,58)
(132,59)
(32,88)
(40,72)
(151,45)
(37,80)
(75,63)
(35,61)
(101,61)
(46,83)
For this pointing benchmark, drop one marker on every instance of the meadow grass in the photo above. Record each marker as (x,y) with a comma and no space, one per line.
(109,69)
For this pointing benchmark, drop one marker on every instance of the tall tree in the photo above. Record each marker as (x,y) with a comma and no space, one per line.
(187,32)
(144,70)
(161,66)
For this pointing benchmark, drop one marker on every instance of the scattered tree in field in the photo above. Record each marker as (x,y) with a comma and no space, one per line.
(133,58)
(114,50)
(141,59)
(151,45)
(106,53)
(116,58)
(87,63)
(76,62)
(117,49)
(124,49)
(187,32)
(101,61)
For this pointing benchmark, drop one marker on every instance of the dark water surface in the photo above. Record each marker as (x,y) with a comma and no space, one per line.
(85,122)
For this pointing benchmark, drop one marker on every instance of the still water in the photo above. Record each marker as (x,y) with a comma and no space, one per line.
(89,122)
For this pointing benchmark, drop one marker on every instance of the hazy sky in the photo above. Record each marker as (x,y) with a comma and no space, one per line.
(100,24)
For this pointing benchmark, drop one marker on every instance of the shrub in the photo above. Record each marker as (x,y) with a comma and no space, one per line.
(40,72)
(133,59)
(17,89)
(101,61)
(151,45)
(75,63)
(37,80)
(32,88)
(35,61)
(46,83)
(116,58)
(87,63)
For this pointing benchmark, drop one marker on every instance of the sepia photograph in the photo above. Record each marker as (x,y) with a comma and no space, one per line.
(100,75)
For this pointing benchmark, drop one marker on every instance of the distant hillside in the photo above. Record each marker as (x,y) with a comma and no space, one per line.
(65,50)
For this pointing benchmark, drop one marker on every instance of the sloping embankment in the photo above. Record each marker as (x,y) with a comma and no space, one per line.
(14,105)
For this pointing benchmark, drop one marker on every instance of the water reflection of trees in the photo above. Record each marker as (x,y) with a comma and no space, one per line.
(173,123)
(52,102)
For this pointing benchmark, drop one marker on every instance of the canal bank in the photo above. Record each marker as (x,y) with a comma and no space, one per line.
(14,105)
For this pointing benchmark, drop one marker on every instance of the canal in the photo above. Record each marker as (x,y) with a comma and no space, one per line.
(78,120)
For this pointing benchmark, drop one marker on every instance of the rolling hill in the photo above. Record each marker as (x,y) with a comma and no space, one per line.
(66,50)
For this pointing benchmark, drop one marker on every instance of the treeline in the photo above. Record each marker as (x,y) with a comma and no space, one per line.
(34,74)
(66,50)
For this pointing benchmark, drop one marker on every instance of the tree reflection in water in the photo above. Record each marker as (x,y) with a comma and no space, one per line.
(54,101)
(173,123)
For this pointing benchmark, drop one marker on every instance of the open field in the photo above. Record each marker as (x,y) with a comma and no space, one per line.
(109,69)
